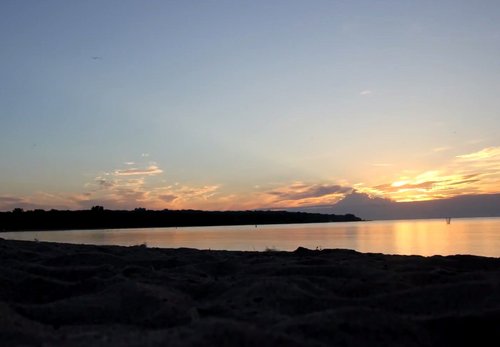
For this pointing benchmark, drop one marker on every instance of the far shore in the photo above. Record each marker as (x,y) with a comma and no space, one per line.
(84,295)
(173,227)
(100,218)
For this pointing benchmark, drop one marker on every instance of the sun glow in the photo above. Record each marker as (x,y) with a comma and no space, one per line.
(399,183)
(472,173)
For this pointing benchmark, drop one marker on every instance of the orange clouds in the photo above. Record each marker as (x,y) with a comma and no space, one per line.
(301,194)
(146,186)
(133,187)
(178,197)
(472,173)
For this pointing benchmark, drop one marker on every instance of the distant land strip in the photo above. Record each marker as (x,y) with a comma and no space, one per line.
(99,218)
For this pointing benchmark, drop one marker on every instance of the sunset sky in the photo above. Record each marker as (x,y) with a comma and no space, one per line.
(246,104)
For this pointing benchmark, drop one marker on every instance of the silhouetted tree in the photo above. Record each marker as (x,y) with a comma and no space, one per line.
(98,217)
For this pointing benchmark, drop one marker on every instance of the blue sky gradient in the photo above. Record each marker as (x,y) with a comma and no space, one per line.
(235,100)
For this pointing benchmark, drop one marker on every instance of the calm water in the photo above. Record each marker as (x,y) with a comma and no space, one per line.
(478,236)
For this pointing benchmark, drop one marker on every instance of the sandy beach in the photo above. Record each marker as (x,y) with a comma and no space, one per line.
(76,295)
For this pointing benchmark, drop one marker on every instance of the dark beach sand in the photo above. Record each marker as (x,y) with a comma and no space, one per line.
(76,295)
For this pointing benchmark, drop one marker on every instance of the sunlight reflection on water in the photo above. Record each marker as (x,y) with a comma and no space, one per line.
(478,236)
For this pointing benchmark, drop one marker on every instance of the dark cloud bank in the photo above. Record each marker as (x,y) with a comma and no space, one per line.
(484,205)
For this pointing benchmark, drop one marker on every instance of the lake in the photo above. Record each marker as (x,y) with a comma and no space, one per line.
(477,236)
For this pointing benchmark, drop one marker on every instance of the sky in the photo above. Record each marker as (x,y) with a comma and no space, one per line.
(246,104)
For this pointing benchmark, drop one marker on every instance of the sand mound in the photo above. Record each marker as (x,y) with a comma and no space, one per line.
(75,295)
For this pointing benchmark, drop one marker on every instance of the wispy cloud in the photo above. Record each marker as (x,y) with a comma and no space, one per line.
(441,149)
(303,194)
(37,200)
(366,92)
(399,185)
(8,203)
(104,183)
(300,191)
(475,141)
(10,200)
(151,170)
(167,197)
(486,153)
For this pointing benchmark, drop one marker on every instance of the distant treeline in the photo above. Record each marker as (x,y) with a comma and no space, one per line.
(99,218)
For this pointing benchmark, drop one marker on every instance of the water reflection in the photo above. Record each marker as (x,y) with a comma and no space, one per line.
(423,237)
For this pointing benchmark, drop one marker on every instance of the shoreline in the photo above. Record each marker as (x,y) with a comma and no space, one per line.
(82,295)
(100,218)
(180,226)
